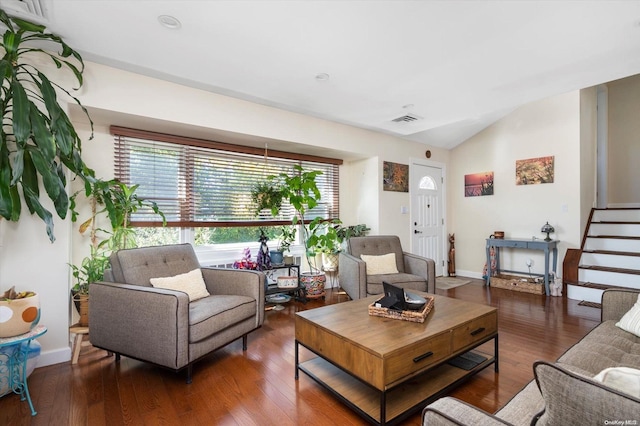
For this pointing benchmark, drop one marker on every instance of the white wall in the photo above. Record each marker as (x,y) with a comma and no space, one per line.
(550,127)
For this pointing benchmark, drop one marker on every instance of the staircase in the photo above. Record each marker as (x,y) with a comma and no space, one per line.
(609,257)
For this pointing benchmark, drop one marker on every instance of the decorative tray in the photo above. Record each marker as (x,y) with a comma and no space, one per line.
(413,316)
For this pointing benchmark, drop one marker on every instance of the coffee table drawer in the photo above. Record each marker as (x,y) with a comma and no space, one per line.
(474,331)
(417,357)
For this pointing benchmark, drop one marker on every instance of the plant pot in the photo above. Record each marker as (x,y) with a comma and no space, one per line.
(18,316)
(288,260)
(81,301)
(329,262)
(276,257)
(314,283)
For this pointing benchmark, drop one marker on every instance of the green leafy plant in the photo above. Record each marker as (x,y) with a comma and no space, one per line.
(324,237)
(267,196)
(37,138)
(91,269)
(286,238)
(301,191)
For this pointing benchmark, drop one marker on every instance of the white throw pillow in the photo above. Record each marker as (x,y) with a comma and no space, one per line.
(631,320)
(624,379)
(378,265)
(191,283)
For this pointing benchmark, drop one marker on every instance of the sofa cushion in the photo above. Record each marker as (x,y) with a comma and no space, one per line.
(571,398)
(191,283)
(405,281)
(379,265)
(631,320)
(605,346)
(212,314)
(624,379)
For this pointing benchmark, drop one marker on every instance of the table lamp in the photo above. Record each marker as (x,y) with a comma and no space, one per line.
(546,228)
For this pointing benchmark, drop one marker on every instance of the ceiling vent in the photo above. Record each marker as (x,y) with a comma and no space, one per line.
(26,9)
(407,118)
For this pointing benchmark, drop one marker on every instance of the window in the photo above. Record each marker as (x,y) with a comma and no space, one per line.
(206,184)
(427,182)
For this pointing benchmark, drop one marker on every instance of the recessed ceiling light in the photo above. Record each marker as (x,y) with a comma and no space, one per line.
(408,106)
(169,22)
(323,76)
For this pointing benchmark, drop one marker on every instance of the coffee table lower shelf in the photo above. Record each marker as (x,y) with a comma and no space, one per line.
(399,402)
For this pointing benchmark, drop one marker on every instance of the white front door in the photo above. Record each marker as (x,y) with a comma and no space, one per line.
(427,223)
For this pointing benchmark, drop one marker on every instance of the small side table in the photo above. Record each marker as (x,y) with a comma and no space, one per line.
(79,332)
(14,363)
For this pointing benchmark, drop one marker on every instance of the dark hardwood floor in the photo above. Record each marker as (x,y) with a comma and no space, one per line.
(233,387)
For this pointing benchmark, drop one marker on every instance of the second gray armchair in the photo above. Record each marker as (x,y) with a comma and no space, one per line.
(413,272)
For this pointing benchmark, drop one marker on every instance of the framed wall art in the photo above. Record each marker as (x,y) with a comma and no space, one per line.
(478,184)
(395,177)
(534,171)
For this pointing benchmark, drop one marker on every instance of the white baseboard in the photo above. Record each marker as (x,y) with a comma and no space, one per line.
(469,274)
(56,356)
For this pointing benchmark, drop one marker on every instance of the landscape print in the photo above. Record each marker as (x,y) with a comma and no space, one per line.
(534,171)
(478,184)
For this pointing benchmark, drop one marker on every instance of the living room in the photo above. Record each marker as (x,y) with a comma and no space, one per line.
(562,126)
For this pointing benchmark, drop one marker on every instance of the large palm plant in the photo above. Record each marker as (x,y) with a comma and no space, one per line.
(37,139)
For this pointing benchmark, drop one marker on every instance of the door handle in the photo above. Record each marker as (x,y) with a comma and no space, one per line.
(415,231)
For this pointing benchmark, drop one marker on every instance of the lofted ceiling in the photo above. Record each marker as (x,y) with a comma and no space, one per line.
(435,72)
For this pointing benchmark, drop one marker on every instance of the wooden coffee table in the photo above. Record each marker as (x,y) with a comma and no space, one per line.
(387,369)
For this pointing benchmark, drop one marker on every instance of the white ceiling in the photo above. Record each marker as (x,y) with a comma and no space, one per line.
(456,65)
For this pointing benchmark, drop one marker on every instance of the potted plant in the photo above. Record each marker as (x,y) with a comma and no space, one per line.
(346,232)
(19,312)
(325,240)
(118,202)
(301,191)
(267,196)
(286,238)
(37,139)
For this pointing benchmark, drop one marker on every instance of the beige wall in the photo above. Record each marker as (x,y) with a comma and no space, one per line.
(624,145)
(550,127)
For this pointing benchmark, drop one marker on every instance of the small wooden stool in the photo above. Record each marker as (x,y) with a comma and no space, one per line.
(79,331)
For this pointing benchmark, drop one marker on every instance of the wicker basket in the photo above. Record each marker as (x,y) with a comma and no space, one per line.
(512,282)
(413,316)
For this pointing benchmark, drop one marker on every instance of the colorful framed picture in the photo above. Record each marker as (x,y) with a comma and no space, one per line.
(395,177)
(478,184)
(534,171)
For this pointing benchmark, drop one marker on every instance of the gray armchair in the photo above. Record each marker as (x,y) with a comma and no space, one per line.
(414,272)
(130,317)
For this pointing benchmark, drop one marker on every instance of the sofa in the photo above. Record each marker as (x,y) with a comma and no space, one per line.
(370,260)
(157,304)
(595,382)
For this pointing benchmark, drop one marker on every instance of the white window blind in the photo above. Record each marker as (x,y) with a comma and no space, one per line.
(199,186)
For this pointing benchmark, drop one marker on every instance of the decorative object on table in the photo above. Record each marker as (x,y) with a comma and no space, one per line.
(478,184)
(278,299)
(547,229)
(395,177)
(406,315)
(452,255)
(499,235)
(287,281)
(245,262)
(534,171)
(263,259)
(19,312)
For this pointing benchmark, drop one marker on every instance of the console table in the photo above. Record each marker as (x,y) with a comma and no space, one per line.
(546,246)
(13,362)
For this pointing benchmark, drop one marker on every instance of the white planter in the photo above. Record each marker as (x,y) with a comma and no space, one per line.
(18,316)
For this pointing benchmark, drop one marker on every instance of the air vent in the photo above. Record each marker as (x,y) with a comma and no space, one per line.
(407,118)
